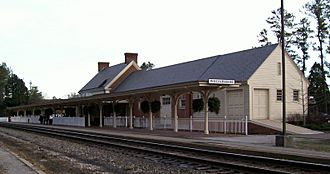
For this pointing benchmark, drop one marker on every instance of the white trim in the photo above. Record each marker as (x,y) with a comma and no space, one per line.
(95,93)
(121,73)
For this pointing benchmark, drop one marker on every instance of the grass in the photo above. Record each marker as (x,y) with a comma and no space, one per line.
(320,127)
(312,144)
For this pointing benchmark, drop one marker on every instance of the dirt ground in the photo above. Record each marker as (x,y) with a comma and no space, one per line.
(45,160)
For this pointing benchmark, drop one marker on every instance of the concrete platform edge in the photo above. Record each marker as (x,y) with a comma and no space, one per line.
(27,163)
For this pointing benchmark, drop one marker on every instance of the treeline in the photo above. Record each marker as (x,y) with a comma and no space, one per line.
(13,91)
(302,36)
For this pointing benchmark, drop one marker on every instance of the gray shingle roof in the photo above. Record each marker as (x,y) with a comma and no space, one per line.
(98,82)
(237,66)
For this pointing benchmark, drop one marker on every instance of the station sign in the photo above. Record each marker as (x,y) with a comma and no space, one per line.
(221,81)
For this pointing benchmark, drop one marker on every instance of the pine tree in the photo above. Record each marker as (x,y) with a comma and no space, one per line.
(16,93)
(328,18)
(4,75)
(147,66)
(275,25)
(303,34)
(318,86)
(35,95)
(263,38)
(318,10)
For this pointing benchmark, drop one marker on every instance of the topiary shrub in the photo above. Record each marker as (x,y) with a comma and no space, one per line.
(214,105)
(144,106)
(197,105)
(155,106)
(120,108)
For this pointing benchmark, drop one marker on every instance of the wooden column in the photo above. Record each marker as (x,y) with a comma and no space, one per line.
(174,111)
(42,111)
(89,119)
(83,113)
(226,102)
(206,94)
(101,114)
(88,116)
(150,117)
(53,110)
(114,114)
(131,104)
(61,110)
(78,114)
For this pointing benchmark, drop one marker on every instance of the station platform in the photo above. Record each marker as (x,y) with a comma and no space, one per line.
(10,163)
(249,144)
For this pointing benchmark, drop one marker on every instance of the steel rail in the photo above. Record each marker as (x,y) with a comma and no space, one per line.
(136,144)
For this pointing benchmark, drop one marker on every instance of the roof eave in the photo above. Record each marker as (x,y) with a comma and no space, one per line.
(109,84)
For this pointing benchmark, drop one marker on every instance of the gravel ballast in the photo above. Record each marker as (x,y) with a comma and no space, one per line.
(53,155)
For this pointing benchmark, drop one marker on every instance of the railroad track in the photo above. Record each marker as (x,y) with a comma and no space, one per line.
(205,160)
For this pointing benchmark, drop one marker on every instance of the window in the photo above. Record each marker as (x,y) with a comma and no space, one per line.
(279,95)
(279,68)
(166,100)
(296,95)
(182,103)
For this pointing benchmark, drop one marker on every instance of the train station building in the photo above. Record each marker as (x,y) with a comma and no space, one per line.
(247,83)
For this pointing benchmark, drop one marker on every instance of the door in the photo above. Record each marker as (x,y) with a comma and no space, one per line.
(260,104)
(235,103)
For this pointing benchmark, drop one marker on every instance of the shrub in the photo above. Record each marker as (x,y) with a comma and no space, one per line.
(317,118)
(213,102)
(320,127)
(295,119)
(144,106)
(197,105)
(214,105)
(155,106)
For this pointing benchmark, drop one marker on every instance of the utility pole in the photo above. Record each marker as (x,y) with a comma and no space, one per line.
(283,71)
(281,139)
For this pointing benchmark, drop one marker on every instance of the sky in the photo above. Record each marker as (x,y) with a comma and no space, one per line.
(56,44)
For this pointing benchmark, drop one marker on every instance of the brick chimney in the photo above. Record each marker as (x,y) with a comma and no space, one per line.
(102,65)
(129,57)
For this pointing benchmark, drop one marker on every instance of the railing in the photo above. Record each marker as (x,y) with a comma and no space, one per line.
(162,123)
(3,119)
(140,122)
(69,121)
(232,124)
(123,121)
(27,119)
